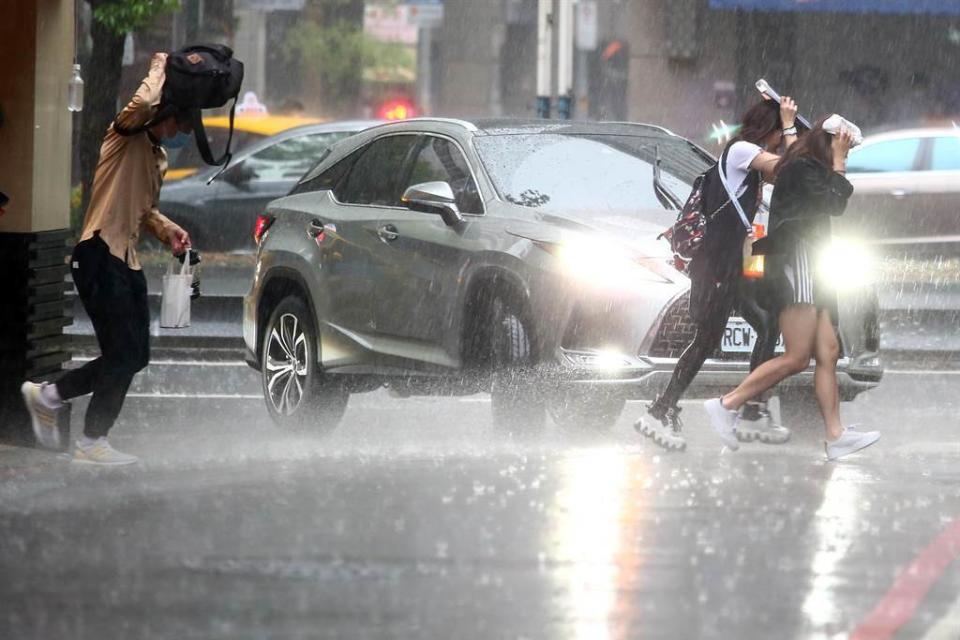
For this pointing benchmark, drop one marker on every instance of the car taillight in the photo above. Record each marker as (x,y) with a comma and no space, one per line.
(263,223)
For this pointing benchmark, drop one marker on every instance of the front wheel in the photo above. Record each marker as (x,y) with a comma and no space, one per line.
(516,401)
(586,410)
(297,393)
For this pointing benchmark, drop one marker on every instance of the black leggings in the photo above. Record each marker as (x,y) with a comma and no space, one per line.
(115,298)
(710,332)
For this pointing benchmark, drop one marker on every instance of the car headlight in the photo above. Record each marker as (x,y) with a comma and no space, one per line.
(847,264)
(602,264)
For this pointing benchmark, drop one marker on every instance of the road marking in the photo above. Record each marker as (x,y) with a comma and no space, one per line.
(202,396)
(252,396)
(182,363)
(923,372)
(910,587)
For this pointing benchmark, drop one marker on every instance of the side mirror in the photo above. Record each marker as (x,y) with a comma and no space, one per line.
(433,197)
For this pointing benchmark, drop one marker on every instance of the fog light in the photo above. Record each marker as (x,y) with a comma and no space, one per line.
(607,360)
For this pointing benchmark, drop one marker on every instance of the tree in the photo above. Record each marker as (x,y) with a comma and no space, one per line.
(345,56)
(330,46)
(112,21)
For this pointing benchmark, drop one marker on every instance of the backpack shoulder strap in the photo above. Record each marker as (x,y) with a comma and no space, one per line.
(726,185)
(203,145)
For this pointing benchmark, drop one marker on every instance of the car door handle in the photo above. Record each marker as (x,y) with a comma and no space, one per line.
(899,193)
(387,233)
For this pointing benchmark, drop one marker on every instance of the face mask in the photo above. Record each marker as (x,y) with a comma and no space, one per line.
(176,141)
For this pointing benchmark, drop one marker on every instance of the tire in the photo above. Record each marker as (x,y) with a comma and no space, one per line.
(516,402)
(590,410)
(800,412)
(297,394)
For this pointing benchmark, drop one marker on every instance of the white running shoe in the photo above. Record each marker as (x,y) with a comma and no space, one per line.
(723,422)
(666,431)
(850,441)
(42,417)
(101,452)
(764,429)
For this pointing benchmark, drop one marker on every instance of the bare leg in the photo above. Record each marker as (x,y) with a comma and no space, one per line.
(827,351)
(799,326)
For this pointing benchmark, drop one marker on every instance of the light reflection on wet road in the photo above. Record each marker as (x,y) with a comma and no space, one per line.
(415,519)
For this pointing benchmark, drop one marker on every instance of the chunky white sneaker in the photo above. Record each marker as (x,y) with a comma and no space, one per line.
(764,429)
(849,442)
(665,431)
(723,421)
(42,417)
(101,452)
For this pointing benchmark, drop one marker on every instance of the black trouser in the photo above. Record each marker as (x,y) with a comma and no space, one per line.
(115,298)
(710,328)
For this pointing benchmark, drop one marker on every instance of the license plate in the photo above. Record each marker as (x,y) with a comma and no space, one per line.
(739,337)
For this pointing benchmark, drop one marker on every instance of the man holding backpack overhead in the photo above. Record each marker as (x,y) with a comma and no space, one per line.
(107,272)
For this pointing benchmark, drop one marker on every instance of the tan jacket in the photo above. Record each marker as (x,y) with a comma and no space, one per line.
(126,185)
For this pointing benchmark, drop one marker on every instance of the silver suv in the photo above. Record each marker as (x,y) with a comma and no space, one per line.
(512,257)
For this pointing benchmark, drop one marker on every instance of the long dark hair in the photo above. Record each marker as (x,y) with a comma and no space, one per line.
(758,122)
(816,144)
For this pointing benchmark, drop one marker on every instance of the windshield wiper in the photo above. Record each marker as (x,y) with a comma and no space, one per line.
(667,198)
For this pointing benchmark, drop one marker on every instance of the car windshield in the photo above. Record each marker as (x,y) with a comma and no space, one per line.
(582,173)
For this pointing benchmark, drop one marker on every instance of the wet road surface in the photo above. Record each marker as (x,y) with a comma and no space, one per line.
(417,520)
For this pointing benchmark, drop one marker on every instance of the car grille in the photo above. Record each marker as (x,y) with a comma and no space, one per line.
(676,332)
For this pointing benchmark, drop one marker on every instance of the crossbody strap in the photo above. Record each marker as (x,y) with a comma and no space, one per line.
(203,145)
(733,196)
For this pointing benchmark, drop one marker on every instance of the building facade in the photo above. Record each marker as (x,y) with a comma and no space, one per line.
(689,64)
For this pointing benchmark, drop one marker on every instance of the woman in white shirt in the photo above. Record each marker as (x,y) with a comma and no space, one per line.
(715,271)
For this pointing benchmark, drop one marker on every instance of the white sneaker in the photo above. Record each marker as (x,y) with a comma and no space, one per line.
(723,422)
(661,432)
(765,430)
(101,452)
(850,441)
(42,417)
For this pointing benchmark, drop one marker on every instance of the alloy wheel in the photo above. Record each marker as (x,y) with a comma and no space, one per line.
(287,364)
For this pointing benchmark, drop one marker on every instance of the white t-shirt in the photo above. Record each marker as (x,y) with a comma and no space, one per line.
(739,157)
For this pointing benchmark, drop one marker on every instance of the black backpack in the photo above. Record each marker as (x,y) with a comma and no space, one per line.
(686,235)
(198,77)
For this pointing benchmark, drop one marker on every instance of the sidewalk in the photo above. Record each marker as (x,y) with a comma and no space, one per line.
(918,319)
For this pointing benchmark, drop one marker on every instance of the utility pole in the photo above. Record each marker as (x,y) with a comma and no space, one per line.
(544,57)
(565,59)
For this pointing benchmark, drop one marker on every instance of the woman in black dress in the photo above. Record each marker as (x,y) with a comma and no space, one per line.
(810,188)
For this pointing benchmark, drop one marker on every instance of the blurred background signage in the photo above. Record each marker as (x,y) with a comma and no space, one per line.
(270,5)
(426,14)
(844,6)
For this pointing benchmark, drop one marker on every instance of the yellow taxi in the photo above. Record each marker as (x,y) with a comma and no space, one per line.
(247,129)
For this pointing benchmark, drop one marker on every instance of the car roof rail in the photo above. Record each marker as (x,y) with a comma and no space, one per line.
(469,126)
(641,124)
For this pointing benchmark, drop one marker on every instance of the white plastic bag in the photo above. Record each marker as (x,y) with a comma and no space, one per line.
(175,303)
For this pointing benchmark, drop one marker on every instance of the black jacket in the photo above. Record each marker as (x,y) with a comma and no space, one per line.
(720,259)
(806,195)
